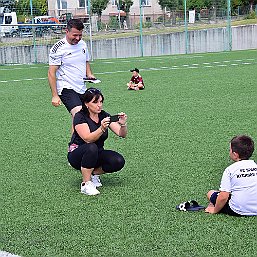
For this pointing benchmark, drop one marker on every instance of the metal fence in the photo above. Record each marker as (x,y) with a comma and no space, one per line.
(166,18)
(45,30)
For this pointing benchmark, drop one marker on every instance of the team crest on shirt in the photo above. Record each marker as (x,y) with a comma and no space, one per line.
(84,51)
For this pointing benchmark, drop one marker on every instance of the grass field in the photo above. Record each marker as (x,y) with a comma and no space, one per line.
(176,150)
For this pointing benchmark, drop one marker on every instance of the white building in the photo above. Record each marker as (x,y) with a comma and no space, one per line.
(151,9)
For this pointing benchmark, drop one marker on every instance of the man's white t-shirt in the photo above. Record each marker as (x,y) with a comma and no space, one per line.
(72,61)
(240,179)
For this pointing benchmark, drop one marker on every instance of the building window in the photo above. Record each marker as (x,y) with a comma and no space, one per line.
(82,3)
(145,2)
(62,4)
(114,2)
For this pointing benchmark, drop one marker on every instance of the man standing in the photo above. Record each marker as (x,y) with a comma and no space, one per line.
(68,65)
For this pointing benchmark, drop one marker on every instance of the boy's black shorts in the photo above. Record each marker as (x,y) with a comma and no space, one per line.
(226,209)
(71,98)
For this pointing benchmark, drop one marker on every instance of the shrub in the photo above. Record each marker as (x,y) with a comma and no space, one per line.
(251,15)
(113,22)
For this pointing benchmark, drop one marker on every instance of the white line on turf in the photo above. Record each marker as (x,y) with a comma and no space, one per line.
(6,254)
(30,66)
(19,80)
(185,66)
(21,68)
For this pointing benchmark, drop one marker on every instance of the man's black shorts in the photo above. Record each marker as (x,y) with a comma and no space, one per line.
(71,98)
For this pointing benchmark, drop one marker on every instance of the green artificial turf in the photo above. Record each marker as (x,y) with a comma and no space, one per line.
(176,150)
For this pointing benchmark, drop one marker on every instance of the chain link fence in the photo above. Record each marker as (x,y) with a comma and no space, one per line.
(175,18)
(21,28)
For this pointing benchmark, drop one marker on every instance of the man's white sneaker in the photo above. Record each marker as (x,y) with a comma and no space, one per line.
(96,180)
(89,188)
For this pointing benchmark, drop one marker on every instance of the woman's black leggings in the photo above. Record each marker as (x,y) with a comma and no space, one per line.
(90,156)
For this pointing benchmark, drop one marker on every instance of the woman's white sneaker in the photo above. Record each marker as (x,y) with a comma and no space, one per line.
(96,180)
(89,188)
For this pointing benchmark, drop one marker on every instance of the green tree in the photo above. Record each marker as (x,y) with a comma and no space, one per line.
(125,6)
(219,3)
(250,3)
(97,7)
(42,6)
(8,4)
(169,4)
(39,7)
(172,6)
(198,4)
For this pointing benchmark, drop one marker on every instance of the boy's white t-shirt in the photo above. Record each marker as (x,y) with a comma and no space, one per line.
(240,179)
(72,61)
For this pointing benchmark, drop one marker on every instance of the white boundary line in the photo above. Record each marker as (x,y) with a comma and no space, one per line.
(6,254)
(19,80)
(225,63)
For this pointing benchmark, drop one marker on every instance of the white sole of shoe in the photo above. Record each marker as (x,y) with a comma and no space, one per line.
(97,193)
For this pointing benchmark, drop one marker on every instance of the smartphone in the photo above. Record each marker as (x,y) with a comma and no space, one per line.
(114,118)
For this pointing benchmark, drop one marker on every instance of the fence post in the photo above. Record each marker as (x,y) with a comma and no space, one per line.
(33,31)
(186,30)
(229,32)
(141,29)
(90,28)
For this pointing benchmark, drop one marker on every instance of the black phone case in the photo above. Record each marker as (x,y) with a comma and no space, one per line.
(114,118)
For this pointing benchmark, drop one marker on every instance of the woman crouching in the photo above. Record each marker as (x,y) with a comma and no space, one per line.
(86,148)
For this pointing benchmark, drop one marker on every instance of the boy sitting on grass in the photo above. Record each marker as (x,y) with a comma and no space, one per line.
(238,189)
(136,82)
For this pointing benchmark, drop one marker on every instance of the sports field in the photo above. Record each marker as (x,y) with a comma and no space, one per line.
(176,150)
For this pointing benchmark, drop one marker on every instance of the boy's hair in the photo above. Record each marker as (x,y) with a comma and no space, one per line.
(243,146)
(76,24)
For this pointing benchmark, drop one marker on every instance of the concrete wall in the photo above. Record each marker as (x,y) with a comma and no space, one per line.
(199,41)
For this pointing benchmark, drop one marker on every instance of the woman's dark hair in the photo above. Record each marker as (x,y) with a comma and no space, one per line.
(90,94)
(75,23)
(243,146)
